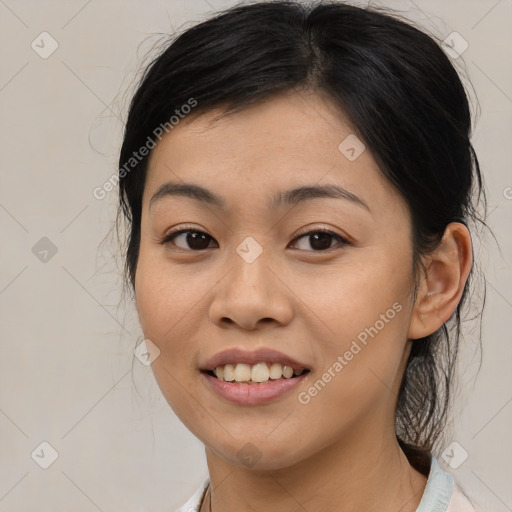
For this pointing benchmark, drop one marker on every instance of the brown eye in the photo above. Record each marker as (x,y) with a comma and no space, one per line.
(320,240)
(192,239)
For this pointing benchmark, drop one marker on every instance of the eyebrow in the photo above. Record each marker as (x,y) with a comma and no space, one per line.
(290,197)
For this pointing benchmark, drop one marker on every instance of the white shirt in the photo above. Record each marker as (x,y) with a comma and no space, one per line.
(441,494)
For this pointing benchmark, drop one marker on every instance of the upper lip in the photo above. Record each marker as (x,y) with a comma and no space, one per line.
(261,355)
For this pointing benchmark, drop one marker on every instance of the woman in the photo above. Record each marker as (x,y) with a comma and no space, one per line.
(316,374)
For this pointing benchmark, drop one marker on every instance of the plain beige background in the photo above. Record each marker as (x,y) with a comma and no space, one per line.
(67,373)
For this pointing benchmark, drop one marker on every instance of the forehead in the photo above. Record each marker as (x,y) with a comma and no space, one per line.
(289,140)
(285,121)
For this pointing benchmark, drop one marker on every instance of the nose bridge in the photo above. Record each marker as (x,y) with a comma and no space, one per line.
(250,263)
(251,291)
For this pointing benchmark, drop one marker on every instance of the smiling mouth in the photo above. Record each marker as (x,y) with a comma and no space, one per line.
(259,373)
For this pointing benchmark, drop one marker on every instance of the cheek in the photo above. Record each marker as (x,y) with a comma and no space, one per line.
(355,295)
(170,299)
(366,311)
(164,313)
(151,300)
(162,302)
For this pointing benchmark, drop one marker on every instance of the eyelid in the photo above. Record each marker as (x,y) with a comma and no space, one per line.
(179,229)
(322,229)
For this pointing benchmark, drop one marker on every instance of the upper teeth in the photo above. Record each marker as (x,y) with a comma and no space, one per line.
(259,372)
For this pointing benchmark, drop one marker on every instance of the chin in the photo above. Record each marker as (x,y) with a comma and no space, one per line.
(259,453)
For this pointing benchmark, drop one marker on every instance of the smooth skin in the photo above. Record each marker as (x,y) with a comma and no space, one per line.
(339,451)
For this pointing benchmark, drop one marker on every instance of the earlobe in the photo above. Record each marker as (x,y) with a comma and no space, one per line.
(440,290)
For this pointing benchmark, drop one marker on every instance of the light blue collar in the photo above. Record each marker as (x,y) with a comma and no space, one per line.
(438,491)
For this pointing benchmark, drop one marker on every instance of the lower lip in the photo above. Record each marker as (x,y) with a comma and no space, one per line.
(253,394)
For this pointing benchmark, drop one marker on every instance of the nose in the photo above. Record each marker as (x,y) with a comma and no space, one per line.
(251,294)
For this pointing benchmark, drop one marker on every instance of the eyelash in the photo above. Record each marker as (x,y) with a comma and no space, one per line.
(190,229)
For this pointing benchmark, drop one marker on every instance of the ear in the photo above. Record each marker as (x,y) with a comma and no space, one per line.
(440,290)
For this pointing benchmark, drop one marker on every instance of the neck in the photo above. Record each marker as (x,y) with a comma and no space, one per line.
(344,476)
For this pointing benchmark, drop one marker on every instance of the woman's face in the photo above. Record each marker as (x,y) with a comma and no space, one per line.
(262,281)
